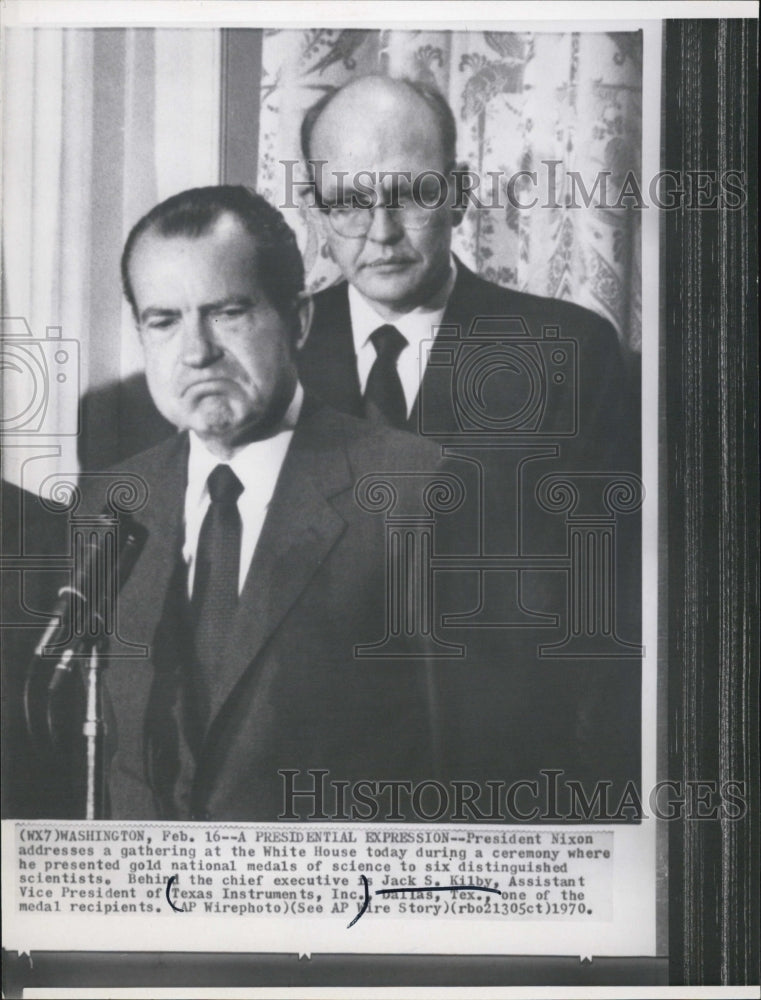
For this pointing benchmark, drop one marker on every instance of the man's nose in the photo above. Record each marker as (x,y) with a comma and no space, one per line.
(386,226)
(199,345)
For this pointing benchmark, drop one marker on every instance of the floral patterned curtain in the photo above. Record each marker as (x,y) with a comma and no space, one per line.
(544,102)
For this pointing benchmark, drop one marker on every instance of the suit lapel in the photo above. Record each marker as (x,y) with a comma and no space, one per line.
(300,529)
(461,308)
(463,303)
(129,680)
(140,602)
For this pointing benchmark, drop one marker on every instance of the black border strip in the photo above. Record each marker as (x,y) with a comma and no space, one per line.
(711,299)
(105,969)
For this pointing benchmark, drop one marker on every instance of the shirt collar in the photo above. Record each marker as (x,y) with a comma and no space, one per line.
(257,464)
(416,325)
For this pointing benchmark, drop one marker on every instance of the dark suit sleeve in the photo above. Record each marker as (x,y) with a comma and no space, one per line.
(609,402)
(39,781)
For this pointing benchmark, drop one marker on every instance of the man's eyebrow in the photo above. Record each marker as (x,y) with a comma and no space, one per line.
(343,195)
(151,312)
(231,300)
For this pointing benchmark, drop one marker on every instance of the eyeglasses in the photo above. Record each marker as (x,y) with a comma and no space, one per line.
(355,220)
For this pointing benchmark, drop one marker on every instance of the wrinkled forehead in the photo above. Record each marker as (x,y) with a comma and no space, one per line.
(218,263)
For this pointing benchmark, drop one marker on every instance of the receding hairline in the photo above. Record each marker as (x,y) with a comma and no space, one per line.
(429,97)
(156,231)
(156,228)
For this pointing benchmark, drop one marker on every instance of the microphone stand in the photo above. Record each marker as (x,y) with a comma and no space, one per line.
(84,627)
(92,730)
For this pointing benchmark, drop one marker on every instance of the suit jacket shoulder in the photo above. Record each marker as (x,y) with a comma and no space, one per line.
(373,447)
(156,458)
(328,365)
(474,296)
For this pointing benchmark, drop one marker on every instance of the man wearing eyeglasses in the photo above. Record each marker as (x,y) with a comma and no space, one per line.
(384,165)
(399,340)
(396,256)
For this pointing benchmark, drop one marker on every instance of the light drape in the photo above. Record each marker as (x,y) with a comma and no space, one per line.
(97,127)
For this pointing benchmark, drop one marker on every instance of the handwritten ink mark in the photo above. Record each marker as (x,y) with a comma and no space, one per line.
(177,909)
(416,888)
(366,888)
(365,904)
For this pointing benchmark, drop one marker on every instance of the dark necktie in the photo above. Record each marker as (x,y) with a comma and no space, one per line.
(215,585)
(384,396)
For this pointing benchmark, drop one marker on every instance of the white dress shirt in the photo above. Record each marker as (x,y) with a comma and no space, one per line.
(257,465)
(417,326)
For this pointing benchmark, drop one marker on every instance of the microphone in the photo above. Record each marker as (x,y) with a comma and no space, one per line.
(83,606)
(82,612)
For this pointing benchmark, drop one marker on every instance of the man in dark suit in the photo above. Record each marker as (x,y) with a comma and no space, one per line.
(399,272)
(261,572)
(517,388)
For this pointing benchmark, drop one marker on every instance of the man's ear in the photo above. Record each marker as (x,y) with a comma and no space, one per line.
(138,328)
(460,175)
(324,229)
(305,312)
